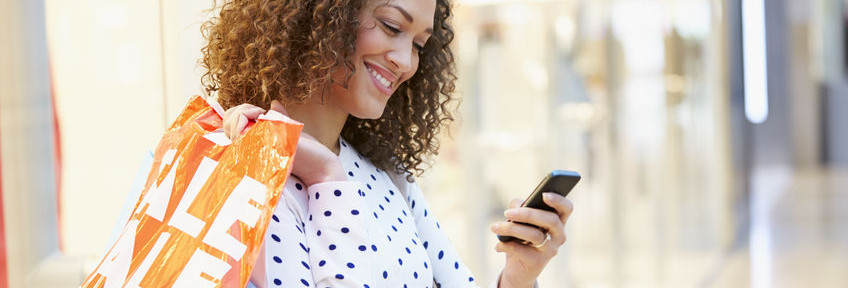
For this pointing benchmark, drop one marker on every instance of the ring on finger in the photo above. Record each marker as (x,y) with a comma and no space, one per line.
(547,237)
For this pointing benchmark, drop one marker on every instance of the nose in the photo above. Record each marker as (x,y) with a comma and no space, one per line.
(402,56)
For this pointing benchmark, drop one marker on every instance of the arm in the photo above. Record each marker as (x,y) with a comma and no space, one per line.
(339,232)
(524,262)
(448,269)
(313,241)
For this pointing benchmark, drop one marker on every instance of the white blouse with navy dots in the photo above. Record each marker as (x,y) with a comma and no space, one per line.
(365,232)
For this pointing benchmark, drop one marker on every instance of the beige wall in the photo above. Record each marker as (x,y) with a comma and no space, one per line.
(121,72)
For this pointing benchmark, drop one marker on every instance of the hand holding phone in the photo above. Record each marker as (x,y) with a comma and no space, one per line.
(558,181)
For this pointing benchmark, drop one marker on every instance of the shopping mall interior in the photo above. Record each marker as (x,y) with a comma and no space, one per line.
(707,133)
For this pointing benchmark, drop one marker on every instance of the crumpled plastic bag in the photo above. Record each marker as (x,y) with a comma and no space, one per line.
(202,215)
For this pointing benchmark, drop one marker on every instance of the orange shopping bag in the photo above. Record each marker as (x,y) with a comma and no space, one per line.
(204,209)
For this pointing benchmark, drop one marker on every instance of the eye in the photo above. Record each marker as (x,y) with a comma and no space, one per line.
(419,48)
(391,28)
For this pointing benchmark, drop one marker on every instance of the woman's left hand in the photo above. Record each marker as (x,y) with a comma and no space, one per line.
(525,261)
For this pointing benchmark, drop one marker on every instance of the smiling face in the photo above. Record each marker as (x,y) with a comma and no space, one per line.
(389,40)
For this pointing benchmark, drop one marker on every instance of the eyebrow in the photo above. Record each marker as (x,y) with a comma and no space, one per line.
(407,16)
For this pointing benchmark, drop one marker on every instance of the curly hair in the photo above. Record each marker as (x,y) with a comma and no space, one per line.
(258,51)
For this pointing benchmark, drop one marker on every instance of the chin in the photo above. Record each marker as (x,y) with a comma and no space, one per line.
(369,114)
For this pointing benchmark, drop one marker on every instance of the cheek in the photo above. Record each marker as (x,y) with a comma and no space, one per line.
(368,40)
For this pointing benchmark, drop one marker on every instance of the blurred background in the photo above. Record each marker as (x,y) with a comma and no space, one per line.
(710,134)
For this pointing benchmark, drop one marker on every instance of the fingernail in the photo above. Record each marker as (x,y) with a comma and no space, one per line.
(548,196)
(509,213)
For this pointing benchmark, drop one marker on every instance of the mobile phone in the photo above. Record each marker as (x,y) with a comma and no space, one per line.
(558,181)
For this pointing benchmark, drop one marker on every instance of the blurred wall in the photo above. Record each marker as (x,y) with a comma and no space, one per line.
(123,70)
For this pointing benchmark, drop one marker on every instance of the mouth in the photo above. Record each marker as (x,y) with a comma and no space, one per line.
(381,78)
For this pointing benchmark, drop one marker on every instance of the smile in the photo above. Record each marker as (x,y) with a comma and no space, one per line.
(384,83)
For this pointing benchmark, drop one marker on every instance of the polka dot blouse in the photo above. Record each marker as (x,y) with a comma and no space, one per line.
(364,232)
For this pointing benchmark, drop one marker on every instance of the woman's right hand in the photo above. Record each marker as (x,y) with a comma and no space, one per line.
(313,162)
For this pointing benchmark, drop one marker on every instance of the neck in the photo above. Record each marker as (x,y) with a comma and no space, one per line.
(321,120)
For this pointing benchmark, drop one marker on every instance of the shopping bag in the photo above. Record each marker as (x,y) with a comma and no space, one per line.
(201,218)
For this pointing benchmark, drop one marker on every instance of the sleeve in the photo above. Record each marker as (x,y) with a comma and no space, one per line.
(315,238)
(286,244)
(448,269)
(339,236)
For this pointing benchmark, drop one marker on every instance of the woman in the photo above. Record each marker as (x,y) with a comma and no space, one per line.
(370,80)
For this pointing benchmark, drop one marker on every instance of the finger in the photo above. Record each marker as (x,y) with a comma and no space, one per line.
(242,123)
(523,232)
(547,221)
(513,247)
(544,219)
(515,202)
(252,112)
(563,206)
(232,118)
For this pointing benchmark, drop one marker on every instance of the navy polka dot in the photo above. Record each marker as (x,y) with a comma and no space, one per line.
(400,216)
(470,279)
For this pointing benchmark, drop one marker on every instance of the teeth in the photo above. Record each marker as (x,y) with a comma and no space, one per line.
(380,78)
